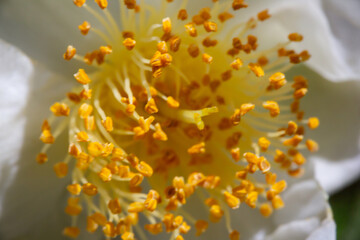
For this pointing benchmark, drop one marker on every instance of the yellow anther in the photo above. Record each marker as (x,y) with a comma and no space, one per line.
(155,228)
(311,145)
(108,124)
(190,29)
(84,28)
(232,201)
(207,58)
(75,98)
(129,43)
(263,15)
(130,4)
(70,53)
(114,206)
(241,174)
(201,226)
(256,69)
(73,210)
(292,128)
(294,141)
(295,37)
(236,64)
(273,108)
(171,102)
(224,16)
(235,118)
(89,189)
(136,180)
(279,156)
(197,148)
(270,178)
(99,218)
(175,43)
(82,77)
(277,80)
(104,50)
(251,158)
(238,4)
(159,134)
(299,159)
(300,93)
(95,149)
(74,189)
(166,59)
(196,178)
(193,50)
(264,165)
(313,122)
(145,169)
(151,107)
(136,207)
(150,204)
(105,174)
(216,213)
(266,209)
(61,169)
(210,26)
(235,153)
(234,235)
(184,228)
(182,15)
(130,108)
(47,137)
(277,202)
(82,137)
(41,158)
(110,230)
(179,237)
(166,25)
(72,232)
(128,236)
(79,3)
(102,3)
(263,144)
(162,47)
(60,109)
(279,186)
(91,225)
(208,42)
(251,199)
(85,110)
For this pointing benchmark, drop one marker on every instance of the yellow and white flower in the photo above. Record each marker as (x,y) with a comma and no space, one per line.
(186,112)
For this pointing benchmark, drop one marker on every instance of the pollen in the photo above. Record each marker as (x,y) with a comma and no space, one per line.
(170,106)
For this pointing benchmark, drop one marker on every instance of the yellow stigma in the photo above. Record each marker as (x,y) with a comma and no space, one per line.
(171,104)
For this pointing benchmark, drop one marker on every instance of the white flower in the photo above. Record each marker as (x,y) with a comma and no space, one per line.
(31,209)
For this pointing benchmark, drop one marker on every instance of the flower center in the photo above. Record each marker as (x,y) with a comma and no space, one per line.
(185,103)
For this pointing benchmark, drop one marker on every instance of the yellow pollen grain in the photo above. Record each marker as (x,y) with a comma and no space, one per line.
(105,174)
(72,232)
(216,213)
(264,165)
(82,136)
(61,169)
(41,158)
(256,69)
(74,189)
(166,25)
(201,226)
(273,108)
(154,229)
(263,144)
(294,141)
(102,3)
(114,206)
(159,134)
(60,109)
(95,149)
(151,107)
(197,148)
(129,43)
(89,189)
(145,169)
(313,122)
(266,209)
(207,58)
(251,158)
(235,154)
(172,103)
(300,93)
(47,137)
(85,110)
(84,28)
(277,80)
(270,178)
(175,43)
(79,3)
(99,218)
(110,230)
(277,202)
(190,29)
(234,235)
(182,15)
(292,128)
(263,15)
(295,37)
(136,207)
(236,64)
(70,53)
(232,201)
(91,225)
(162,47)
(108,124)
(311,145)
(82,77)
(238,4)
(210,26)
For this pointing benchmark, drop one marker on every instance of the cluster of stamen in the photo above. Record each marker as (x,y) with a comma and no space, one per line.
(168,105)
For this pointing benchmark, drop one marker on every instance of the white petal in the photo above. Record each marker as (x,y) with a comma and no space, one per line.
(15,73)
(333,56)
(338,134)
(25,212)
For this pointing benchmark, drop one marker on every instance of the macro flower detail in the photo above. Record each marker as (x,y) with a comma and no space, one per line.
(173,104)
